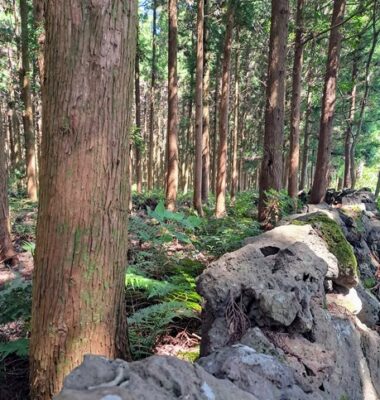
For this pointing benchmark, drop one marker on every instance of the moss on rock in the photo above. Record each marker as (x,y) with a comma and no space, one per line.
(332,234)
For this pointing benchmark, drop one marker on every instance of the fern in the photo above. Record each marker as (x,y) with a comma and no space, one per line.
(19,347)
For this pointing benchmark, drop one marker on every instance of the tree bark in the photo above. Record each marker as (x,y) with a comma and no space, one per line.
(234,174)
(206,111)
(138,163)
(172,134)
(349,132)
(215,127)
(220,208)
(328,106)
(7,252)
(271,168)
(197,197)
(30,152)
(78,285)
(295,118)
(377,191)
(152,93)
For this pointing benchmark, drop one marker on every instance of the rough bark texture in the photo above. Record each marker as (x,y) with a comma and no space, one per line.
(206,111)
(172,134)
(81,249)
(271,168)
(7,253)
(328,106)
(294,152)
(138,156)
(197,198)
(220,208)
(234,174)
(30,152)
(152,92)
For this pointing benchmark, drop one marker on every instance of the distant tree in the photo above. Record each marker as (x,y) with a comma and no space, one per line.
(271,167)
(78,304)
(138,154)
(321,176)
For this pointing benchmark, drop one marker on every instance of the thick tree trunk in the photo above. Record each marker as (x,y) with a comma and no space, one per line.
(220,208)
(328,106)
(30,152)
(197,198)
(348,134)
(138,163)
(7,252)
(172,133)
(294,153)
(271,168)
(152,93)
(234,174)
(78,285)
(206,111)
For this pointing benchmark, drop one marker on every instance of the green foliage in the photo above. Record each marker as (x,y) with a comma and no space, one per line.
(19,347)
(28,246)
(15,300)
(369,283)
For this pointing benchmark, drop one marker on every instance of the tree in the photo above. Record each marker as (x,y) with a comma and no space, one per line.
(220,208)
(294,149)
(271,167)
(197,198)
(7,252)
(138,119)
(78,286)
(172,134)
(328,106)
(27,102)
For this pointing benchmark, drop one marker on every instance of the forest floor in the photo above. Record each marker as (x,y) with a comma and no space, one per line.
(166,252)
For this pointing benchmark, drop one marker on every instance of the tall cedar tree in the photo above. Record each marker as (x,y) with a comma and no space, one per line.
(138,154)
(321,176)
(78,286)
(29,135)
(152,93)
(271,168)
(220,208)
(197,198)
(7,253)
(172,134)
(294,149)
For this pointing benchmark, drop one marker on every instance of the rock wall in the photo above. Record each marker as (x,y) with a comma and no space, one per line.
(286,317)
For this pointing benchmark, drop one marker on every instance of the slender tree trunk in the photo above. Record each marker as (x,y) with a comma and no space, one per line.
(348,133)
(206,111)
(234,174)
(215,128)
(78,284)
(7,252)
(377,191)
(172,134)
(328,106)
(197,198)
(30,151)
(138,163)
(295,118)
(152,93)
(220,208)
(271,168)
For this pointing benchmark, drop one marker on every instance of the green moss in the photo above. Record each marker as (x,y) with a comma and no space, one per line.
(336,242)
(191,355)
(369,283)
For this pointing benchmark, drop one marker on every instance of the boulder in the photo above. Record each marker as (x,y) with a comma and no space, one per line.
(157,377)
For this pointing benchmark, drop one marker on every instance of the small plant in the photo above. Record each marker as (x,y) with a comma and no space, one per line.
(20,347)
(28,246)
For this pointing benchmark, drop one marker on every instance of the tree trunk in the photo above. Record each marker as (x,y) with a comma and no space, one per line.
(350,120)
(78,285)
(30,152)
(234,174)
(7,253)
(152,93)
(377,191)
(172,134)
(206,111)
(220,209)
(138,145)
(197,198)
(328,106)
(215,127)
(271,168)
(295,118)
